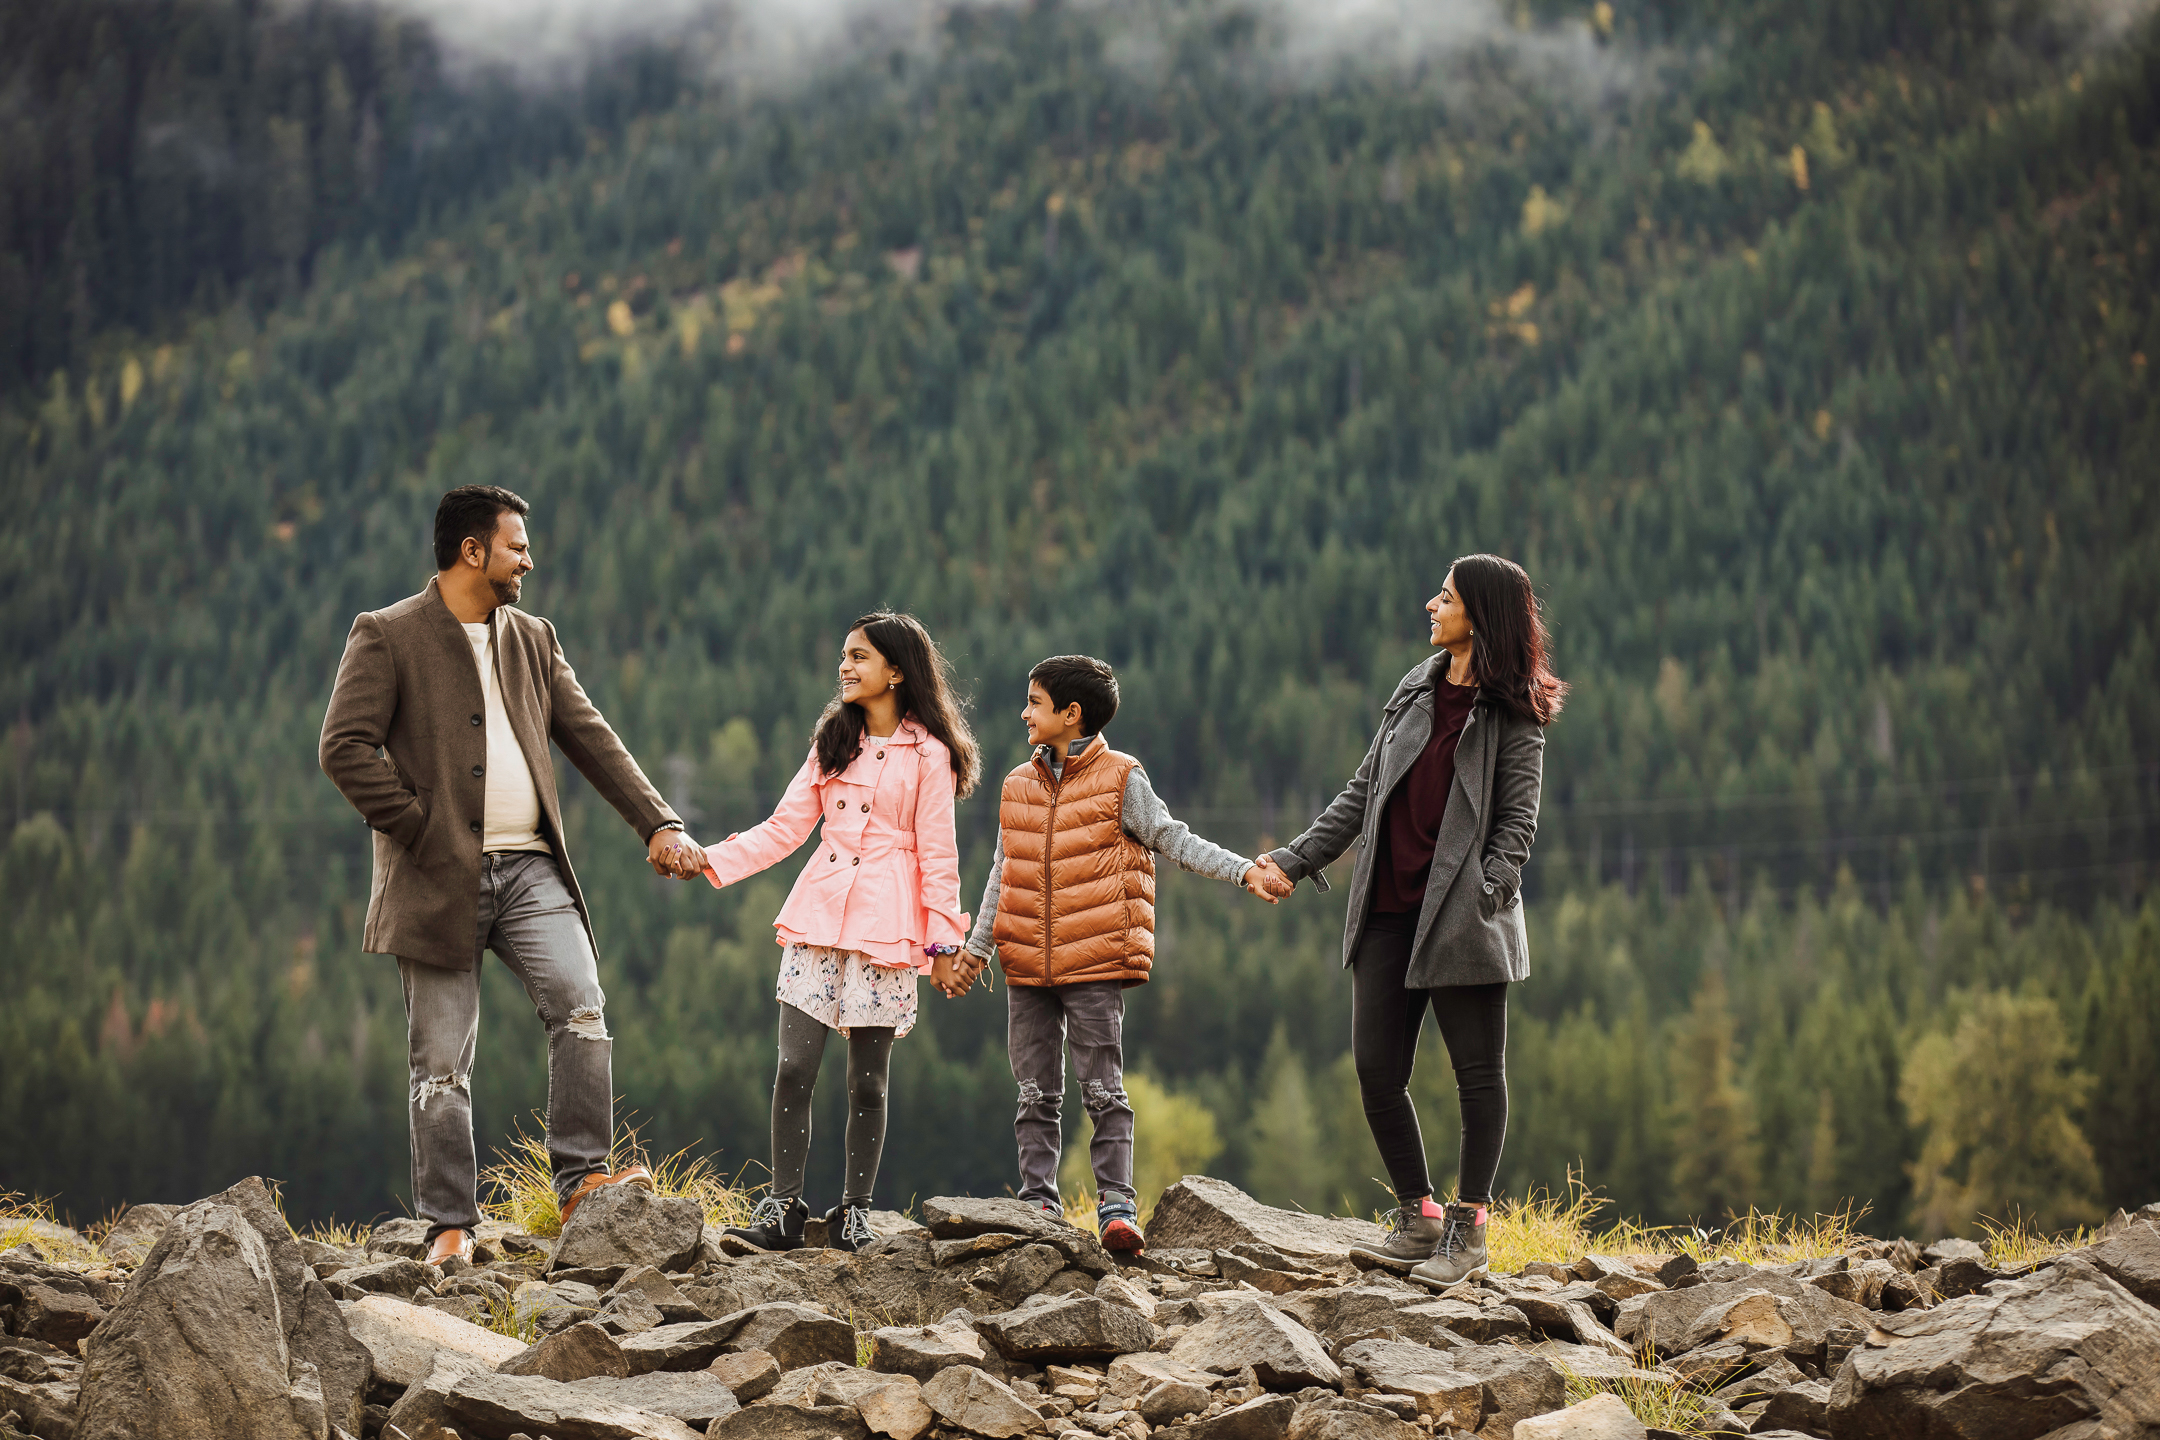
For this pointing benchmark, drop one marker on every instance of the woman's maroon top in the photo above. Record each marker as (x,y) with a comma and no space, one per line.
(1410,826)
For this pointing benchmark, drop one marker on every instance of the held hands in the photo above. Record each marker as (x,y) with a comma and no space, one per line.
(955,974)
(1266,880)
(675,855)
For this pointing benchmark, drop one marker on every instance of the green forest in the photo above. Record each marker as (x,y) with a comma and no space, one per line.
(1800,353)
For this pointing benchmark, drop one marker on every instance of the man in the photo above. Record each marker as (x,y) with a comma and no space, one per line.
(438,734)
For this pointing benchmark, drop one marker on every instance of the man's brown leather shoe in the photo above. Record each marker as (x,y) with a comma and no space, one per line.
(636,1175)
(451,1243)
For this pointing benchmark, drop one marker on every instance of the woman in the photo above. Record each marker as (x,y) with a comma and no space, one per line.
(877,903)
(1446,802)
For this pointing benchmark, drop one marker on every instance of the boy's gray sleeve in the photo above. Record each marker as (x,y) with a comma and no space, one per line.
(979,941)
(1150,822)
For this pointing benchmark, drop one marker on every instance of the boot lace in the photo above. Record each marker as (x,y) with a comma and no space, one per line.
(769,1213)
(1454,1232)
(855,1229)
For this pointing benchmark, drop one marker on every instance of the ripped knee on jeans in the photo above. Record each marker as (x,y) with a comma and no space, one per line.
(426,1090)
(1032,1093)
(589,1022)
(1100,1095)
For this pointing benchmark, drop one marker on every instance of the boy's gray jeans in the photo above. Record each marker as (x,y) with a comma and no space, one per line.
(528,919)
(1040,1021)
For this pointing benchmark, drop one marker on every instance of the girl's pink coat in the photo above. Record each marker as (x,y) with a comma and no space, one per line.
(885,876)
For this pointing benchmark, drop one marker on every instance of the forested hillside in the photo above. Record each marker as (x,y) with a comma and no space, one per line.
(1801,359)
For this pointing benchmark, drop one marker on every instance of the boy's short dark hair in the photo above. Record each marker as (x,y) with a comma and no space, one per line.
(1082,678)
(471,512)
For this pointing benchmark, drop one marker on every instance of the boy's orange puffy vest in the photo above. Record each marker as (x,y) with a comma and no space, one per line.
(1076,900)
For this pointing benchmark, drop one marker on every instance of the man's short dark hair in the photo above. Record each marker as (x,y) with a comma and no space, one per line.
(471,512)
(1067,678)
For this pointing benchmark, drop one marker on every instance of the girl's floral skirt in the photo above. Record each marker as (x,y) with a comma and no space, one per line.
(840,989)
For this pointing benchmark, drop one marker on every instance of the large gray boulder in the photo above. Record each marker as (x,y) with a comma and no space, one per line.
(49,1304)
(196,1349)
(1515,1385)
(617,1228)
(1072,1327)
(315,1328)
(1282,1353)
(1671,1322)
(582,1352)
(1200,1213)
(696,1398)
(496,1407)
(1265,1418)
(963,1217)
(794,1335)
(2065,1346)
(423,1411)
(1453,1398)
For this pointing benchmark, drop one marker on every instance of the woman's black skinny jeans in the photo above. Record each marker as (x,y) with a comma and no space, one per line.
(1384,1022)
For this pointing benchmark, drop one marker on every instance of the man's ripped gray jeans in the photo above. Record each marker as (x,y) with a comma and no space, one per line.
(528,919)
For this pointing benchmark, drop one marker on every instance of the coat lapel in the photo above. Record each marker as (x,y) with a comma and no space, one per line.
(521,701)
(453,658)
(1473,759)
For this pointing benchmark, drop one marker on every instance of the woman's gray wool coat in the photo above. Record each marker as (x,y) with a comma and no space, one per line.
(1470,930)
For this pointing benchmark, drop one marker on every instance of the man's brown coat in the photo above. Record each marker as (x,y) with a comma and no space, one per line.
(408,689)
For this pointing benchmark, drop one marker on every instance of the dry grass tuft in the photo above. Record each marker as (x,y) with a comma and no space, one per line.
(2018,1243)
(20,1219)
(1561,1229)
(522,1183)
(1659,1405)
(507,1317)
(336,1232)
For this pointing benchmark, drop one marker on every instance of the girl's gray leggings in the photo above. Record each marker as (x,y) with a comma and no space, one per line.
(802,1048)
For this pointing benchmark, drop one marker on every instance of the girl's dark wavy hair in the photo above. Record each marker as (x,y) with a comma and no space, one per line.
(1509,644)
(926,696)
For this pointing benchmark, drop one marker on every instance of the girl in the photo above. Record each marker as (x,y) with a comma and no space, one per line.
(877,903)
(1446,802)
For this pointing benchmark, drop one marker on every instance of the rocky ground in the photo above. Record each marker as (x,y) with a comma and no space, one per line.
(992,1320)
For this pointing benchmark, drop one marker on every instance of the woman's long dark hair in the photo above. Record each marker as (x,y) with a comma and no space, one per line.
(1508,641)
(926,696)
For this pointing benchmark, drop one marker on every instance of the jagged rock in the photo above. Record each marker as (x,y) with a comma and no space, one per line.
(1591,1363)
(697,1398)
(1775,1374)
(1516,1385)
(1565,1314)
(660,1292)
(1267,1418)
(1133,1375)
(794,1335)
(1952,1249)
(314,1327)
(1860,1284)
(952,1217)
(2130,1256)
(975,1247)
(406,1236)
(1284,1354)
(56,1313)
(977,1402)
(1395,1367)
(496,1407)
(791,1422)
(2061,1346)
(1755,1320)
(395,1276)
(1074,1327)
(1118,1290)
(46,1409)
(1206,1214)
(749,1373)
(1664,1322)
(1802,1406)
(1020,1273)
(197,1346)
(890,1405)
(423,1411)
(688,1346)
(1601,1417)
(617,1228)
(629,1313)
(581,1352)
(1331,1418)
(1360,1311)
(2121,1220)
(1172,1400)
(136,1232)
(402,1339)
(899,1281)
(922,1351)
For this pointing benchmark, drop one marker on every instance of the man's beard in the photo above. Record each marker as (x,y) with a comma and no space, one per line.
(506,591)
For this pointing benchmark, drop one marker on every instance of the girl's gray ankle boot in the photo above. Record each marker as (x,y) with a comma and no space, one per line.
(1460,1252)
(1413,1234)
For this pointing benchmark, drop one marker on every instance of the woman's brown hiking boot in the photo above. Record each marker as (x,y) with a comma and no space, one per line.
(1461,1251)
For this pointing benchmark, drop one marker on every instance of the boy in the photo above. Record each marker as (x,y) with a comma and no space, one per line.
(1070,912)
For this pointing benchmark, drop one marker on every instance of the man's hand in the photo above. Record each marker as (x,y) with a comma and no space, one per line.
(1267,881)
(674,854)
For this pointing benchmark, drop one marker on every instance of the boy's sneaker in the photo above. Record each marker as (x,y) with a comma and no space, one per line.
(776,1224)
(847,1227)
(1120,1226)
(1461,1251)
(1412,1236)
